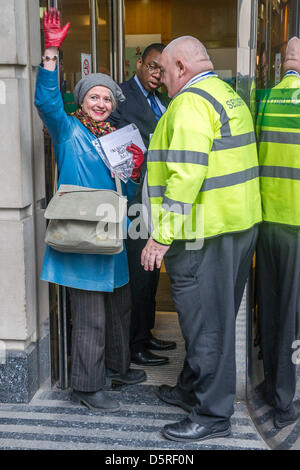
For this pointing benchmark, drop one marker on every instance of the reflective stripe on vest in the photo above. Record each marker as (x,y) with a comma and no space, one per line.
(280,137)
(227,141)
(280,172)
(176,206)
(178,156)
(225,129)
(216,182)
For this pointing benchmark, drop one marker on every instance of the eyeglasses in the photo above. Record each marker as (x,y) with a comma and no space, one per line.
(152,68)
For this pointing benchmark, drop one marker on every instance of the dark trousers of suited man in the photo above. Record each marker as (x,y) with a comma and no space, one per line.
(144,286)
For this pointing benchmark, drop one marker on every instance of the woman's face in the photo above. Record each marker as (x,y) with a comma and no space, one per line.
(97,103)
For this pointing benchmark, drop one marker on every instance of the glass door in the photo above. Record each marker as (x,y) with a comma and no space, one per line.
(155,21)
(278,21)
(94,44)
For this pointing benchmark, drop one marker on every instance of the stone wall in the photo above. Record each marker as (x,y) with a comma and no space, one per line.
(24,305)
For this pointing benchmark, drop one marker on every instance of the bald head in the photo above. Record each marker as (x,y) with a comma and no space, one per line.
(182,59)
(292,55)
(192,52)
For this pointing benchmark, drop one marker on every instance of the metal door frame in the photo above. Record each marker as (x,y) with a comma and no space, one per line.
(246,86)
(116,19)
(246,47)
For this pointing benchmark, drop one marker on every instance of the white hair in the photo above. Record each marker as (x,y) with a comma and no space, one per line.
(113,100)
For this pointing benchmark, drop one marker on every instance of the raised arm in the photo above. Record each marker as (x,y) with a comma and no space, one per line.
(48,99)
(54,37)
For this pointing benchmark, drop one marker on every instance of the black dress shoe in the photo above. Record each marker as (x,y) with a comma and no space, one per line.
(173,396)
(159,344)
(187,430)
(285,418)
(132,376)
(96,401)
(146,358)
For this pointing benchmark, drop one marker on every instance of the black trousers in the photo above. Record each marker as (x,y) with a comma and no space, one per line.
(100,336)
(278,297)
(207,288)
(143,286)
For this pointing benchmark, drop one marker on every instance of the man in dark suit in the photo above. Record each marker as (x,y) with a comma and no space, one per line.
(144,106)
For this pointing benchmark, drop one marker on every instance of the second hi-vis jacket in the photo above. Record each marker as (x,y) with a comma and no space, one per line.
(202,165)
(279,152)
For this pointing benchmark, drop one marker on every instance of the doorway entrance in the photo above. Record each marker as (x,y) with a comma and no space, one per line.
(93,44)
(157,21)
(113,34)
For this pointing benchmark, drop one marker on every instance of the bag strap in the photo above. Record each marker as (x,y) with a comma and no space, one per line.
(117,179)
(118,185)
(55,178)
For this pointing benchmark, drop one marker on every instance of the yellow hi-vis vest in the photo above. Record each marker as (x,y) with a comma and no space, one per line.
(278,126)
(202,165)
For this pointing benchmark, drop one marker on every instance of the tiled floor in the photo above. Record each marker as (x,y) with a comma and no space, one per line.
(51,421)
(287,438)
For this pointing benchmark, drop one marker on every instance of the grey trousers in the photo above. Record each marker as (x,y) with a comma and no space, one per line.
(100,336)
(207,288)
(278,296)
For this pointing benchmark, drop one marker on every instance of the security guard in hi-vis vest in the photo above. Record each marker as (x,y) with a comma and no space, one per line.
(278,250)
(203,185)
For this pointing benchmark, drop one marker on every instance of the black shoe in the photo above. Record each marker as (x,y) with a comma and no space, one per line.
(159,344)
(146,358)
(96,401)
(285,418)
(173,396)
(132,376)
(187,430)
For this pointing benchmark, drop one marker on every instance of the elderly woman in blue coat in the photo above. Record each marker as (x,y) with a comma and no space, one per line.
(100,297)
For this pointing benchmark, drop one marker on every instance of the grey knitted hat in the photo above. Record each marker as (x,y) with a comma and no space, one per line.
(97,79)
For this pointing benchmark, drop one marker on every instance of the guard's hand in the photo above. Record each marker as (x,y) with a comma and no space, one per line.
(54,33)
(153,254)
(138,158)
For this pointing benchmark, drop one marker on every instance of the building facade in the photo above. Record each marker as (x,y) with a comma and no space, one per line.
(246,40)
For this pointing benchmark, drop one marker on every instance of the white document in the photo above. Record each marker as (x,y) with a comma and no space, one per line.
(114,144)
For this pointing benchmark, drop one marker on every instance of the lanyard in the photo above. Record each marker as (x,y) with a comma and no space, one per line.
(199,77)
(292,72)
(196,79)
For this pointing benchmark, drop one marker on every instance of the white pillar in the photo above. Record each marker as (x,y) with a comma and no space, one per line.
(24,305)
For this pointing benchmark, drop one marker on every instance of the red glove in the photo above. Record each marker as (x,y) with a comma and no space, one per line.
(138,158)
(54,33)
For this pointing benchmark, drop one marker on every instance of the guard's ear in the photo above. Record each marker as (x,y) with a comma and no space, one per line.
(180,68)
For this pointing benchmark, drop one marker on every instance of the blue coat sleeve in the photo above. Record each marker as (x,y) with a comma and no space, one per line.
(50,106)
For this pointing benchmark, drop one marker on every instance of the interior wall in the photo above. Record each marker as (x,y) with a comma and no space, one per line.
(149,17)
(214,24)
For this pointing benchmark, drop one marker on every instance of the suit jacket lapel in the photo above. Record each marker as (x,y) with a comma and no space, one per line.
(140,97)
(138,92)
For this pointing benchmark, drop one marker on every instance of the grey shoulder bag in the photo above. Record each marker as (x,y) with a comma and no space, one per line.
(87,220)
